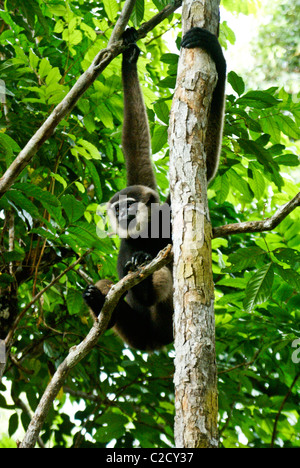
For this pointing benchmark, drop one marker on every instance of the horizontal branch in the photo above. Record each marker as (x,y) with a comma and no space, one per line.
(100,62)
(77,353)
(259,226)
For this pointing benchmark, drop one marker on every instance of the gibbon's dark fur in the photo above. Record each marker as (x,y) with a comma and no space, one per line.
(143,319)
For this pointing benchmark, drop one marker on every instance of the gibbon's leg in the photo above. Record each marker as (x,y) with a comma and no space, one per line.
(142,328)
(146,329)
(136,141)
(198,37)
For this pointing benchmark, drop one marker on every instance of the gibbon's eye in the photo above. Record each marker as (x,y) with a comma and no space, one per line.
(117,208)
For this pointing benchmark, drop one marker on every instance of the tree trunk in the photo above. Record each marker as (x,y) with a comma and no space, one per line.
(196,401)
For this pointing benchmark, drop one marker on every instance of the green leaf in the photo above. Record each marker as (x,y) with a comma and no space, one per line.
(162,111)
(221,187)
(287,126)
(33,59)
(138,12)
(22,202)
(36,192)
(6,279)
(7,147)
(259,288)
(89,32)
(290,276)
(80,187)
(236,82)
(13,424)
(59,26)
(74,301)
(13,256)
(170,59)
(288,256)
(87,149)
(160,138)
(73,208)
(96,179)
(111,8)
(58,10)
(44,68)
(245,257)
(255,148)
(83,234)
(287,160)
(113,426)
(105,115)
(236,6)
(257,183)
(258,100)
(9,143)
(53,77)
(72,37)
(168,82)
(59,179)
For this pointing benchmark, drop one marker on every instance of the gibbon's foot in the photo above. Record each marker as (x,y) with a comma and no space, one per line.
(199,37)
(137,260)
(131,54)
(129,36)
(94,298)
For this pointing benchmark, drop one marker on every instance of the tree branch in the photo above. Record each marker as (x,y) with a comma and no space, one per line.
(163,14)
(100,62)
(77,353)
(122,22)
(259,226)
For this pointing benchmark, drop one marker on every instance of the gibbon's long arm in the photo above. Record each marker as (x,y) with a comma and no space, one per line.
(198,37)
(136,140)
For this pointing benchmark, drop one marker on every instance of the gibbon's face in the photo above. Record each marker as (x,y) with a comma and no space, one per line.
(129,211)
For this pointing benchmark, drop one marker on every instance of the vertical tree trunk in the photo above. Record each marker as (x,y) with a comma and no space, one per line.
(195,378)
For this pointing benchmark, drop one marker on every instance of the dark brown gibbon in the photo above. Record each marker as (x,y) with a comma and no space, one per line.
(143,318)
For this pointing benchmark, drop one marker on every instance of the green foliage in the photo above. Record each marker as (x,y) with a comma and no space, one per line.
(117,396)
(278,62)
(245,7)
(257,275)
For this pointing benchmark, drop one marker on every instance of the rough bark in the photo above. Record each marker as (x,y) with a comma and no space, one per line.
(195,375)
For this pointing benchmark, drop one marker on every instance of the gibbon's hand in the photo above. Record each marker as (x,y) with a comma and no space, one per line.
(94,298)
(137,260)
